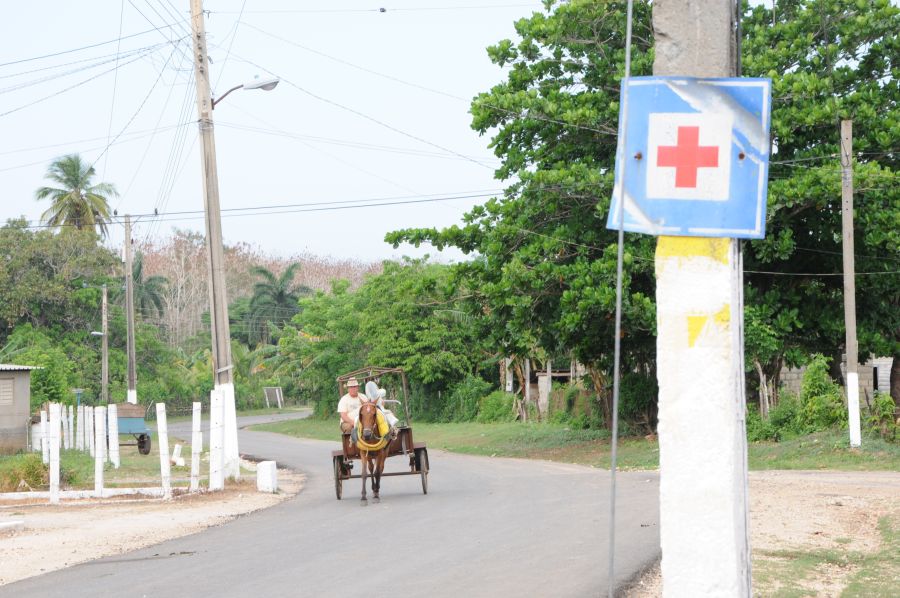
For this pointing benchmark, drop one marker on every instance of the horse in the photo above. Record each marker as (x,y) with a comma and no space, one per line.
(373,442)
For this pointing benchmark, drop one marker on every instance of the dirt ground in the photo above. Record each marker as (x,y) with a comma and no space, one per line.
(81,530)
(809,510)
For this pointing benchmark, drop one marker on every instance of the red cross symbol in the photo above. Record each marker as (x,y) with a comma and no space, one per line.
(688,156)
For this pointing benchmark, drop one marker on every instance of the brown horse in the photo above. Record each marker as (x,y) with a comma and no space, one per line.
(372,458)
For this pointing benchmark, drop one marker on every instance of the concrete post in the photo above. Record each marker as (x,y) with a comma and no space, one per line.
(79,428)
(162,432)
(53,446)
(129,315)
(702,436)
(196,448)
(230,446)
(99,449)
(216,439)
(113,417)
(45,438)
(89,420)
(70,416)
(64,423)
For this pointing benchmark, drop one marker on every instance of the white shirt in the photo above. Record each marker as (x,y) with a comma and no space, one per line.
(350,405)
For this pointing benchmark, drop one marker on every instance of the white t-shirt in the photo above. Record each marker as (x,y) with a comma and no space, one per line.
(351,405)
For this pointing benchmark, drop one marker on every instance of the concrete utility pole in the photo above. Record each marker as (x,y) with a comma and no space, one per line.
(129,314)
(702,437)
(218,304)
(851,378)
(104,345)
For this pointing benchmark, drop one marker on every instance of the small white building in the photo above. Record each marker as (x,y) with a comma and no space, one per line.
(15,398)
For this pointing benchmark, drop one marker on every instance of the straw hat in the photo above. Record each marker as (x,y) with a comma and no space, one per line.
(352,382)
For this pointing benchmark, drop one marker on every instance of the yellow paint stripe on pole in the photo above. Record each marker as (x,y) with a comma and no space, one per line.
(712,247)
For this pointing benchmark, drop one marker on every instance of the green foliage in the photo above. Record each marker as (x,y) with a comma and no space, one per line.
(639,400)
(465,398)
(786,418)
(496,407)
(759,429)
(28,468)
(274,302)
(883,418)
(822,404)
(76,201)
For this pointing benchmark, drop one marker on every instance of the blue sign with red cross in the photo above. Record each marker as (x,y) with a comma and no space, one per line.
(693,157)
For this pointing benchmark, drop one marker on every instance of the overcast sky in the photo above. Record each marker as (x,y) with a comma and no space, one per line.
(414,68)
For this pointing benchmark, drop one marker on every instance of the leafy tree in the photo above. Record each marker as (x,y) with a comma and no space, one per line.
(274,301)
(829,60)
(149,292)
(544,270)
(51,279)
(76,201)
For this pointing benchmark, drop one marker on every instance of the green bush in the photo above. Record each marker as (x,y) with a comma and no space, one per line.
(463,401)
(785,417)
(25,467)
(758,429)
(496,407)
(821,400)
(882,420)
(638,400)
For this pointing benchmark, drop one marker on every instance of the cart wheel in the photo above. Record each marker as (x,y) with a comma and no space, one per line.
(422,466)
(338,477)
(143,443)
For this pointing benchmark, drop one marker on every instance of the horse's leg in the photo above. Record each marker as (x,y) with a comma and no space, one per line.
(364,457)
(379,468)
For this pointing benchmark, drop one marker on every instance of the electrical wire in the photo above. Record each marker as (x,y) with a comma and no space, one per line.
(112,41)
(381,9)
(71,87)
(112,105)
(365,116)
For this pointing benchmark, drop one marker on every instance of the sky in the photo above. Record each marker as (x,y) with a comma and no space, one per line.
(372,107)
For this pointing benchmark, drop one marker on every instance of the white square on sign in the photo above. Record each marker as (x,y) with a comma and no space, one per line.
(688,156)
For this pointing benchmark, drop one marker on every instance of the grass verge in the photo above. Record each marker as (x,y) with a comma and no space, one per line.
(556,442)
(834,571)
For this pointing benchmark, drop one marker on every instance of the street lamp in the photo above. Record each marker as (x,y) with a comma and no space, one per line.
(223,377)
(257,83)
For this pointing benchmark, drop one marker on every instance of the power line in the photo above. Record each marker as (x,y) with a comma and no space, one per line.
(234,31)
(71,87)
(366,116)
(112,41)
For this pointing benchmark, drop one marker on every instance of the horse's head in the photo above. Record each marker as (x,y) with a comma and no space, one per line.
(368,420)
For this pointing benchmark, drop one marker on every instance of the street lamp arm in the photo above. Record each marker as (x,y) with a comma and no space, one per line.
(222,97)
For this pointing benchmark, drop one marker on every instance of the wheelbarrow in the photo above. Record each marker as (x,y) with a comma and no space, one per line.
(131,421)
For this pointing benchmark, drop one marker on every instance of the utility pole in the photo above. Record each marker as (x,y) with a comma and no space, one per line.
(218,304)
(851,378)
(104,344)
(702,432)
(129,314)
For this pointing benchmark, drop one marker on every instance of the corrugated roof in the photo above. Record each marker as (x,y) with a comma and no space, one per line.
(9,367)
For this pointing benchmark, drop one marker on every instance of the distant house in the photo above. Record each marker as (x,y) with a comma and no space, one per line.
(15,397)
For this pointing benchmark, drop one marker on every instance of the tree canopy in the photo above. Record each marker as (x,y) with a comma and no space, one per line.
(76,201)
(543,267)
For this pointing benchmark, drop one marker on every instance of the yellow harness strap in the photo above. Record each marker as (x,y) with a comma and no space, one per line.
(383,430)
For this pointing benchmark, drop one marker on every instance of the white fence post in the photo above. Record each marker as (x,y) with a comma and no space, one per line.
(89,420)
(54,453)
(45,439)
(230,444)
(79,428)
(216,439)
(196,448)
(64,424)
(70,417)
(112,414)
(162,433)
(99,449)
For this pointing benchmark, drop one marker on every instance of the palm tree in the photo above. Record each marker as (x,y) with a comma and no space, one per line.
(274,300)
(148,294)
(76,202)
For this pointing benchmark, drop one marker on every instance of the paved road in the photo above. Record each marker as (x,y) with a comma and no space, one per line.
(488,527)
